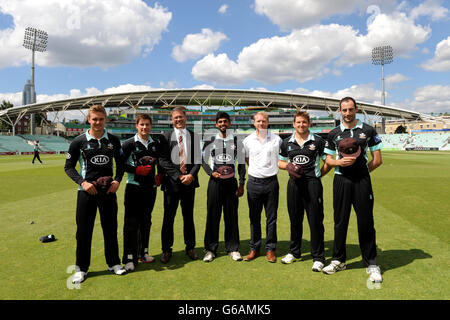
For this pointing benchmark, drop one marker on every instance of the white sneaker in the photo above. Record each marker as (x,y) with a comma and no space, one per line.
(375,273)
(317,266)
(209,256)
(289,258)
(334,267)
(236,256)
(79,277)
(129,266)
(118,269)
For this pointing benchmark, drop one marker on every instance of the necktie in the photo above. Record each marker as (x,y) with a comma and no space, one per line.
(182,155)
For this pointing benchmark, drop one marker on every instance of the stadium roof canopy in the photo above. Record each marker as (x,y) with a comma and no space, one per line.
(205,98)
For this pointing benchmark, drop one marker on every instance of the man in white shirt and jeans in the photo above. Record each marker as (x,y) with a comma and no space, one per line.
(261,152)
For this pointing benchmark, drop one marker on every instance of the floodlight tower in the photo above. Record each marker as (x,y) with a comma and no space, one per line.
(34,40)
(382,55)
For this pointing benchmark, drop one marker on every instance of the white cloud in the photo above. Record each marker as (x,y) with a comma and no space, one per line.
(172,84)
(127,88)
(312,52)
(14,98)
(441,59)
(430,8)
(223,9)
(431,98)
(272,60)
(83,33)
(198,45)
(294,14)
(396,30)
(396,78)
(203,86)
(360,92)
(219,69)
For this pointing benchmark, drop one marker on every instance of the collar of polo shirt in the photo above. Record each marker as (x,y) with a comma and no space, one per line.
(359,125)
(145,143)
(310,137)
(89,137)
(228,137)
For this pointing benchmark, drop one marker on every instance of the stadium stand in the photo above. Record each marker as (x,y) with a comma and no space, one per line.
(394,141)
(438,140)
(48,143)
(14,144)
(429,140)
(53,144)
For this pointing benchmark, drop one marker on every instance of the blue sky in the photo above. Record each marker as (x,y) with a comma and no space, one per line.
(315,47)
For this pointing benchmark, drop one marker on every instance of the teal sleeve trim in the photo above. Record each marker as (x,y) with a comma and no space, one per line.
(283,158)
(329,151)
(376,147)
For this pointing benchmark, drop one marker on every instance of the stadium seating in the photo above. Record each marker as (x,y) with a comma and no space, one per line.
(420,140)
(429,140)
(48,143)
(14,144)
(394,141)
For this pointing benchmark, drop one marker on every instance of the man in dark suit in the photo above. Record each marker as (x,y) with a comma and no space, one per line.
(181,161)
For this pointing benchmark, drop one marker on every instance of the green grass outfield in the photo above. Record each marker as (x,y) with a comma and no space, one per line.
(411,218)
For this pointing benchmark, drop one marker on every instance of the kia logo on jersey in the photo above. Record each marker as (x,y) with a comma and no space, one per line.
(300,159)
(223,157)
(100,159)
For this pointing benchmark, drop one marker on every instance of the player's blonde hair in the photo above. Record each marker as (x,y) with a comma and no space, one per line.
(262,113)
(97,108)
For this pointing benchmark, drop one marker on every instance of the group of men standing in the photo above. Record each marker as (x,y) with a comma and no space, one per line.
(173,162)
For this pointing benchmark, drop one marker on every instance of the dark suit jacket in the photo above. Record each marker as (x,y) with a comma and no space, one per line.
(170,161)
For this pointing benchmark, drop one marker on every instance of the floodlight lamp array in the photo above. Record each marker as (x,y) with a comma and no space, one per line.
(382,55)
(35,39)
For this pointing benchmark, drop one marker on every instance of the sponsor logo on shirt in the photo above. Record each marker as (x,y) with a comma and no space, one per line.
(223,157)
(100,159)
(300,159)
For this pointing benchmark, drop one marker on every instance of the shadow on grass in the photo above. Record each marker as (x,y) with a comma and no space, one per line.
(392,259)
(92,274)
(388,259)
(179,260)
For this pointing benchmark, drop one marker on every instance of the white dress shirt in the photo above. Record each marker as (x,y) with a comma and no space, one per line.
(182,132)
(263,156)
